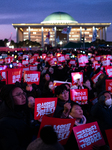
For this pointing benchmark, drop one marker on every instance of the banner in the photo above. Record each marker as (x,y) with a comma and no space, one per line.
(109,85)
(63,127)
(44,106)
(109,71)
(76,76)
(14,75)
(79,96)
(95,77)
(88,135)
(31,77)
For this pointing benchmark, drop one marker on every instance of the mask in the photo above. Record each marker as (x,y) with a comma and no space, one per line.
(108,102)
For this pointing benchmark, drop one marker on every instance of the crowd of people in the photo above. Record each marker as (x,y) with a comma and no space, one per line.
(19,129)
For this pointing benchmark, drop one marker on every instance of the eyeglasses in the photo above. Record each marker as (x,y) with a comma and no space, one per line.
(20,94)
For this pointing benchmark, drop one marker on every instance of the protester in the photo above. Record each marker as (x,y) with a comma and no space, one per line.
(48,140)
(63,103)
(15,130)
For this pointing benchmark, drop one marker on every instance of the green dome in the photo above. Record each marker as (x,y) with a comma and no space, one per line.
(59,17)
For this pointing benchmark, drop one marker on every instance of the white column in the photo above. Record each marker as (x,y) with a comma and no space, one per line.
(55,35)
(17,40)
(80,33)
(42,37)
(105,34)
(29,32)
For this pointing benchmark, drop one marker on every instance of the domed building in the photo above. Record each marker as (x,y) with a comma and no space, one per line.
(56,25)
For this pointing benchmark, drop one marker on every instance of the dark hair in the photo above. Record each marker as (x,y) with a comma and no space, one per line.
(6,95)
(101,97)
(73,104)
(60,89)
(48,135)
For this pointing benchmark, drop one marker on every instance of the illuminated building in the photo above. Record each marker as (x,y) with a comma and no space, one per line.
(55,23)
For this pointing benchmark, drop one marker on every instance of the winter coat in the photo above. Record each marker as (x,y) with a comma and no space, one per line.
(14,129)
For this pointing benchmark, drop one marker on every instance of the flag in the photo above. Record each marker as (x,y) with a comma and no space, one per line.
(48,35)
(66,30)
(94,35)
(47,40)
(57,39)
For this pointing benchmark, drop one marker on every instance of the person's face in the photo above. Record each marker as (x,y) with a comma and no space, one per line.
(64,95)
(31,102)
(76,112)
(47,77)
(29,87)
(107,96)
(18,96)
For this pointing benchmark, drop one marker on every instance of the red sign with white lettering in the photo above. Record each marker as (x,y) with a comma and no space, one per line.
(63,127)
(58,83)
(79,96)
(76,76)
(95,77)
(44,106)
(109,71)
(88,135)
(109,85)
(14,75)
(31,77)
(61,58)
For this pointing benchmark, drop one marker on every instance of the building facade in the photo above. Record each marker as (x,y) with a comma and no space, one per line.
(55,23)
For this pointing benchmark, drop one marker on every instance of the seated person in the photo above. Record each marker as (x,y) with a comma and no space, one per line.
(77,113)
(63,103)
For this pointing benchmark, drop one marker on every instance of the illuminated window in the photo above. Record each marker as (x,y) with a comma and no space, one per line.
(34,32)
(75,35)
(90,35)
(25,33)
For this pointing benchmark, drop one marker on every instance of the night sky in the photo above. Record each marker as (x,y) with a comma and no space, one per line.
(35,11)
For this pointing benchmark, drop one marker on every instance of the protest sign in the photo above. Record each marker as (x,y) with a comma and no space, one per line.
(95,77)
(44,106)
(79,96)
(31,77)
(58,83)
(88,135)
(76,76)
(63,127)
(109,137)
(109,71)
(14,75)
(109,85)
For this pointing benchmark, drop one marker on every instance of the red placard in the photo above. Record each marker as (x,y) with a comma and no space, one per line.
(14,75)
(61,58)
(3,74)
(67,57)
(25,56)
(33,67)
(76,76)
(7,60)
(109,71)
(106,62)
(32,60)
(96,66)
(63,127)
(58,83)
(88,135)
(44,56)
(44,106)
(109,137)
(109,85)
(47,58)
(82,59)
(31,77)
(95,77)
(72,62)
(79,96)
(97,58)
(25,62)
